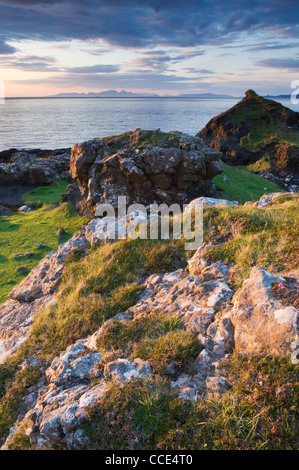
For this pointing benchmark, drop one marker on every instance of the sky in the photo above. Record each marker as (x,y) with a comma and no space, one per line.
(148,46)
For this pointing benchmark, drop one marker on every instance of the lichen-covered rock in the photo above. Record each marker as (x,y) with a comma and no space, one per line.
(221,330)
(15,321)
(209,202)
(123,370)
(62,407)
(216,270)
(24,208)
(36,167)
(262,324)
(71,366)
(59,413)
(145,166)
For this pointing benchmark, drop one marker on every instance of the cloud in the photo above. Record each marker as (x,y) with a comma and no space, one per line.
(6,48)
(200,71)
(30,64)
(279,63)
(142,80)
(262,46)
(94,69)
(146,23)
(47,64)
(160,61)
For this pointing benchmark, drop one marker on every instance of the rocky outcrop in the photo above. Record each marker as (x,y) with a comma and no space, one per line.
(253,320)
(39,288)
(11,195)
(15,321)
(75,380)
(256,128)
(23,171)
(36,167)
(145,166)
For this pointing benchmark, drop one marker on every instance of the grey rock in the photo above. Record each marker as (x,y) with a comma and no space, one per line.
(166,173)
(262,324)
(123,370)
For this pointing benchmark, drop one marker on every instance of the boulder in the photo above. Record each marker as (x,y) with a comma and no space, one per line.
(209,202)
(71,367)
(262,324)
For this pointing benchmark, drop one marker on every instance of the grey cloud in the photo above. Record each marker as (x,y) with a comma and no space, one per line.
(30,63)
(160,60)
(94,69)
(146,23)
(200,71)
(279,63)
(6,48)
(271,46)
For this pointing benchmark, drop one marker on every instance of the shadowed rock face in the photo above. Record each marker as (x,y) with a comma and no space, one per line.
(35,167)
(254,128)
(145,166)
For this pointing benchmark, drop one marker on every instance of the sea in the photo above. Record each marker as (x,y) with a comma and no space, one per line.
(48,123)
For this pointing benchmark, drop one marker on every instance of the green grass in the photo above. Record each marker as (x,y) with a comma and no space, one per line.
(139,138)
(249,236)
(265,126)
(96,288)
(20,233)
(263,164)
(252,415)
(242,185)
(154,139)
(256,107)
(156,338)
(46,194)
(263,133)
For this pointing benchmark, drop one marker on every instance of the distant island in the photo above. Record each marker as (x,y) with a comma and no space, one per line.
(278,97)
(129,94)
